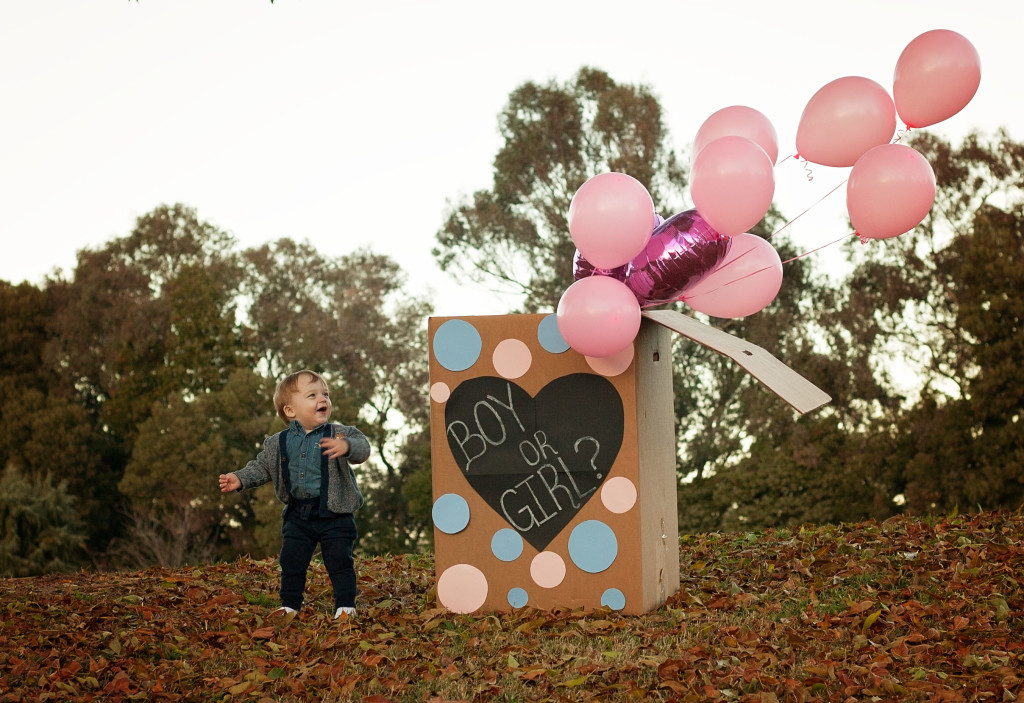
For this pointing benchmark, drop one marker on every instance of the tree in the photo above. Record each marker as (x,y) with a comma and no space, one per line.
(151,371)
(748,460)
(52,433)
(924,336)
(39,527)
(148,314)
(352,320)
(178,514)
(348,318)
(42,414)
(942,299)
(515,236)
(145,316)
(24,310)
(557,136)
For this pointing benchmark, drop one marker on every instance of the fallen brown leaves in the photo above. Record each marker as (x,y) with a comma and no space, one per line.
(902,610)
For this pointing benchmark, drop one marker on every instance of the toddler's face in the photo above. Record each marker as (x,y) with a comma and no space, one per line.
(310,403)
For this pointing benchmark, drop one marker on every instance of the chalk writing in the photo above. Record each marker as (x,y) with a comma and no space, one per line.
(536,461)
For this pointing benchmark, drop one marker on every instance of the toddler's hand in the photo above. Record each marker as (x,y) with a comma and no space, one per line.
(334,446)
(229,482)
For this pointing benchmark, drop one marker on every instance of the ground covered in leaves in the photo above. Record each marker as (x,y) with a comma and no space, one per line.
(902,610)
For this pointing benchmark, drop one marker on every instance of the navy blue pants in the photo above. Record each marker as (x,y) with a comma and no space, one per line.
(336,536)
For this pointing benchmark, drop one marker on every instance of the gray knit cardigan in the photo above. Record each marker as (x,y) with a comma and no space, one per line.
(343,494)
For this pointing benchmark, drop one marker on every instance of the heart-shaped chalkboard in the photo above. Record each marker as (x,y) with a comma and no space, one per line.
(536,461)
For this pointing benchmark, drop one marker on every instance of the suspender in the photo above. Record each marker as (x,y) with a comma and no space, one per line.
(282,438)
(325,477)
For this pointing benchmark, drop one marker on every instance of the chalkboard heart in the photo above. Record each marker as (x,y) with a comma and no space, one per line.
(536,461)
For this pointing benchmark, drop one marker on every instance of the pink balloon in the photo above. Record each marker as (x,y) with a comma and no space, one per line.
(937,74)
(598,316)
(746,281)
(732,184)
(610,218)
(890,191)
(738,121)
(844,119)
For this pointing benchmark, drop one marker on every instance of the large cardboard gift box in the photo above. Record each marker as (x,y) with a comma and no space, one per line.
(554,475)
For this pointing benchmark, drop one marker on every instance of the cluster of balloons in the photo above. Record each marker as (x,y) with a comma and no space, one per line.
(851,122)
(628,258)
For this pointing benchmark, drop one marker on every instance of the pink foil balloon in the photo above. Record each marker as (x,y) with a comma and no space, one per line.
(738,121)
(611,217)
(732,184)
(581,268)
(746,281)
(844,119)
(937,74)
(679,253)
(890,191)
(598,316)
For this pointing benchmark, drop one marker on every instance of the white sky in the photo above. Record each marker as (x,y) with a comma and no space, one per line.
(351,124)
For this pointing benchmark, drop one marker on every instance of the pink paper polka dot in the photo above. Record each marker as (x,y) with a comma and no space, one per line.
(512,358)
(618,494)
(547,569)
(612,365)
(462,588)
(440,392)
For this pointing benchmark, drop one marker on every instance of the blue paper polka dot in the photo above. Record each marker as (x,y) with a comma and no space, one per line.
(613,598)
(457,345)
(450,513)
(506,544)
(549,336)
(517,597)
(593,546)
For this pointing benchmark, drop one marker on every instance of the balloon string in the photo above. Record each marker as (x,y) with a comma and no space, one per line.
(813,205)
(812,251)
(684,297)
(808,170)
(899,136)
(900,133)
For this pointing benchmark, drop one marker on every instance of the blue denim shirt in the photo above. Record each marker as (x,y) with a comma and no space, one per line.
(304,454)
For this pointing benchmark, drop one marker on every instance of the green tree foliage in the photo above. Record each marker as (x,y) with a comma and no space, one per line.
(171,475)
(352,320)
(515,236)
(963,442)
(923,341)
(147,314)
(43,416)
(39,527)
(556,136)
(917,347)
(24,312)
(53,432)
(754,462)
(150,371)
(143,317)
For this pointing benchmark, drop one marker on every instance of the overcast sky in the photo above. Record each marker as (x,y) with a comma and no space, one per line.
(352,124)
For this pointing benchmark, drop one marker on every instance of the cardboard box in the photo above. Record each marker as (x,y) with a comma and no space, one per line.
(554,475)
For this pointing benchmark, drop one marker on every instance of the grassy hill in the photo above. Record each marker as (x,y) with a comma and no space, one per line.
(908,609)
